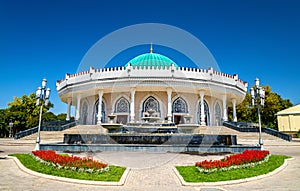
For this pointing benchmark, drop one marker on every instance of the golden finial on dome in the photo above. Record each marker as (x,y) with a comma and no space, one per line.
(151,49)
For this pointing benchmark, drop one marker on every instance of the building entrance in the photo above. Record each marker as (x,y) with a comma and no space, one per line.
(178,119)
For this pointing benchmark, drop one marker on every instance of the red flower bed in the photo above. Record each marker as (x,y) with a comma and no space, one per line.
(69,161)
(247,156)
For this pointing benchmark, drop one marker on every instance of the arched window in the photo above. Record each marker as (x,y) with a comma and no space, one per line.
(95,116)
(206,112)
(122,106)
(150,104)
(122,110)
(179,106)
(217,114)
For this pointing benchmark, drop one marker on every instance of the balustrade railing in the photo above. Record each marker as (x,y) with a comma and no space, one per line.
(253,127)
(47,126)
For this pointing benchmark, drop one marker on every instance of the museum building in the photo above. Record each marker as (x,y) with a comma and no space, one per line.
(152,86)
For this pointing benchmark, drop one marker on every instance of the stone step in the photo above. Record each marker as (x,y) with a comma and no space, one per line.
(59,135)
(97,129)
(240,135)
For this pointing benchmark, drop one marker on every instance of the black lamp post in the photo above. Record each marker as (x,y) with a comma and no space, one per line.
(258,98)
(41,94)
(11,124)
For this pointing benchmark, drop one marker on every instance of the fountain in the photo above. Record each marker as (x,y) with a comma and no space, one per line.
(150,124)
(156,137)
(111,126)
(149,117)
(187,126)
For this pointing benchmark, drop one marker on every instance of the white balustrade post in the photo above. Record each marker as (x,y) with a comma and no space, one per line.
(132,114)
(99,114)
(202,112)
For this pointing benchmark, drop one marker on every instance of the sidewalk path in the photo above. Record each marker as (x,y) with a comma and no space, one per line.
(150,171)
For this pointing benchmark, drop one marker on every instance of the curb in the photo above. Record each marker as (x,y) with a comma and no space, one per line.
(230,182)
(70,180)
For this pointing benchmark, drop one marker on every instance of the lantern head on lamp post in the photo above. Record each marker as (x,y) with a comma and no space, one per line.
(42,98)
(11,124)
(257,83)
(47,95)
(258,98)
(38,95)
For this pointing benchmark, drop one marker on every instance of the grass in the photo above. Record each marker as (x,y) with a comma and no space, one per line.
(113,175)
(191,173)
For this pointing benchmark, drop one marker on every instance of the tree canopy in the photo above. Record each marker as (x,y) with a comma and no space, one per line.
(273,104)
(24,113)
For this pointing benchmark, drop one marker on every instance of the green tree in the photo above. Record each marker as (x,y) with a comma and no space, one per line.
(3,123)
(61,117)
(273,104)
(24,112)
(49,116)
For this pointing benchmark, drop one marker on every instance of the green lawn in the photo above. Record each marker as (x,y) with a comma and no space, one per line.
(191,173)
(114,174)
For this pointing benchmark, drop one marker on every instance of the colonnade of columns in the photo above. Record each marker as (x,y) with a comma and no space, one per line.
(169,107)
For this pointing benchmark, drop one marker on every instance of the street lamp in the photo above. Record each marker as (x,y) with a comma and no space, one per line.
(42,94)
(11,124)
(258,98)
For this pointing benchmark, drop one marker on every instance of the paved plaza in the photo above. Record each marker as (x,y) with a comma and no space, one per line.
(149,171)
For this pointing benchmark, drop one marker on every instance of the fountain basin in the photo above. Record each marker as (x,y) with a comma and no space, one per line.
(150,119)
(187,128)
(151,139)
(112,127)
(151,148)
(150,129)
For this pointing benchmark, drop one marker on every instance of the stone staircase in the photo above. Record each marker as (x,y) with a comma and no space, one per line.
(242,137)
(58,136)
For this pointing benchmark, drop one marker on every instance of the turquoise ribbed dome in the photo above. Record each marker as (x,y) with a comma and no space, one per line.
(151,59)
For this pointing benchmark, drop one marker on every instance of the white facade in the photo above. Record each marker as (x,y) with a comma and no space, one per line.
(173,92)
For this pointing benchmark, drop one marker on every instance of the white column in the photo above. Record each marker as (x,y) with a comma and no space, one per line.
(234,110)
(78,108)
(69,109)
(132,114)
(213,112)
(169,114)
(202,113)
(225,118)
(99,114)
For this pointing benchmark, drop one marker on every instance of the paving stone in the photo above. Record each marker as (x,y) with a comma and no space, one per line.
(150,171)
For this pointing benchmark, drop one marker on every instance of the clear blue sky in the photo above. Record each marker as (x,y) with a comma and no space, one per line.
(257,38)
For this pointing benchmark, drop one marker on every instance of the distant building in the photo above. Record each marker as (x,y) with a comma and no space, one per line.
(289,119)
(152,84)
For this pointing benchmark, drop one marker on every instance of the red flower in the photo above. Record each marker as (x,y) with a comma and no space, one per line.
(70,161)
(247,156)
